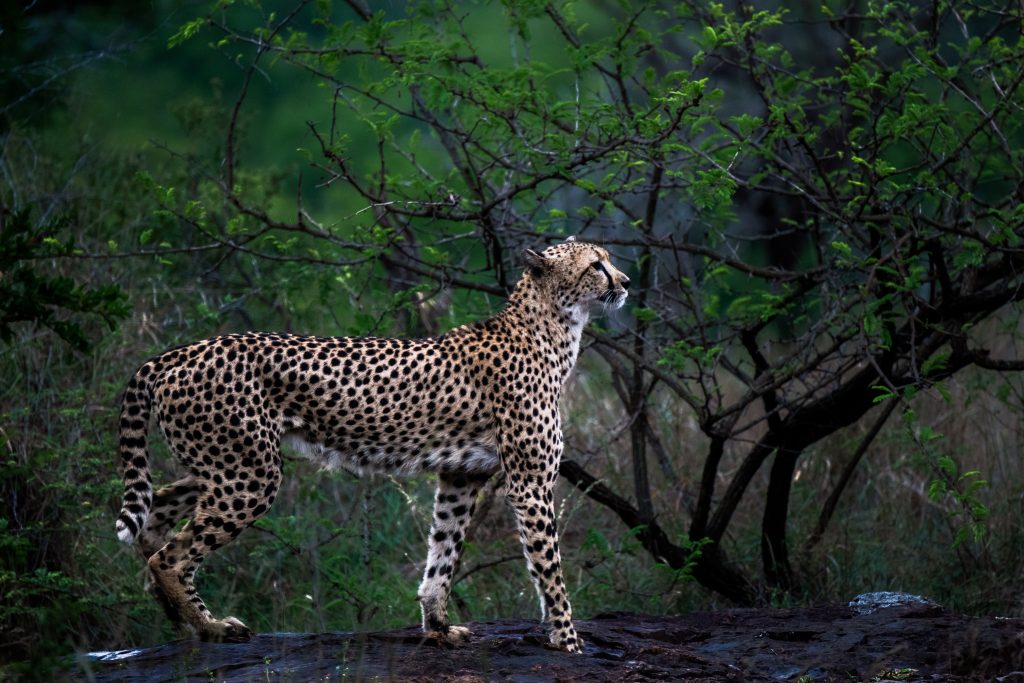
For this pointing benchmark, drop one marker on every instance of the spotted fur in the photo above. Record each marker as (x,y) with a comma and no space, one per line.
(481,398)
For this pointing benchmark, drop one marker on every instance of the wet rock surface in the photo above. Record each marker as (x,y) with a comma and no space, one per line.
(906,643)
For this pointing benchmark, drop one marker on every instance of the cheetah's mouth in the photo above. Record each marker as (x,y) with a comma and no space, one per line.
(614,298)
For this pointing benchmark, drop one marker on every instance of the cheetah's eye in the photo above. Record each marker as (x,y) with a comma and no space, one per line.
(596,265)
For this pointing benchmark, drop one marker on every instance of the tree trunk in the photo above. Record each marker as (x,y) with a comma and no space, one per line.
(774,552)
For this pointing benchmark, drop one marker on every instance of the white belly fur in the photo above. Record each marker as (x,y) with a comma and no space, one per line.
(479,457)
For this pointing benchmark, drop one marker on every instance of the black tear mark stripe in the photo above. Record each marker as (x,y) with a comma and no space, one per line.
(600,266)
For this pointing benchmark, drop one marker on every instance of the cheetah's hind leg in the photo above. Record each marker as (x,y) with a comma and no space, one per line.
(171,504)
(216,522)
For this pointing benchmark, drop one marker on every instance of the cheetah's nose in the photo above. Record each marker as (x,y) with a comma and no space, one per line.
(624,282)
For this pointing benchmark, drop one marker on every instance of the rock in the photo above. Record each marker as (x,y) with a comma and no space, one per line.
(866,603)
(838,643)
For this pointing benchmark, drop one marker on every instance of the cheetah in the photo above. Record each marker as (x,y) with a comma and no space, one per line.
(482,398)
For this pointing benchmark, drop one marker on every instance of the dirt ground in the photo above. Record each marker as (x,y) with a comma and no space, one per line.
(908,643)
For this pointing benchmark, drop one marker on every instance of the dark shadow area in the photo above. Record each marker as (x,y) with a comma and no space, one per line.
(817,644)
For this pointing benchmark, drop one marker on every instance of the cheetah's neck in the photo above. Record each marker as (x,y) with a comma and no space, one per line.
(556,330)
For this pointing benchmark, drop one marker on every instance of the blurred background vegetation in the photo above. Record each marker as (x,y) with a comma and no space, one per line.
(821,208)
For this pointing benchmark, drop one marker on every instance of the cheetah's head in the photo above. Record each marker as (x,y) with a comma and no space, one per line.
(577,275)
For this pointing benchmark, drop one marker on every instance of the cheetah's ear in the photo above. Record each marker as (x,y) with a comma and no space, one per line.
(537,263)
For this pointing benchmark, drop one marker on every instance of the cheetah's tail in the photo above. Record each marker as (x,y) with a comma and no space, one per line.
(138,485)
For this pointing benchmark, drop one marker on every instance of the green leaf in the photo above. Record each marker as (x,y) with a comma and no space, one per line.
(843,248)
(645,314)
(746,123)
(884,393)
(936,362)
(972,253)
(936,490)
(710,37)
(187,30)
(947,465)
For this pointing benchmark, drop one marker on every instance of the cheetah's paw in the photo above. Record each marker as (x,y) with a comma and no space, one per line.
(568,641)
(227,630)
(454,636)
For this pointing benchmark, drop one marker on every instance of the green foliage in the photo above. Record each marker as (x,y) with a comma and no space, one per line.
(961,489)
(694,551)
(27,295)
(615,577)
(188,30)
(679,353)
(52,563)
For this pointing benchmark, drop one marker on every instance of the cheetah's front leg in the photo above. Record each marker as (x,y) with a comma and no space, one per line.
(453,507)
(534,508)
